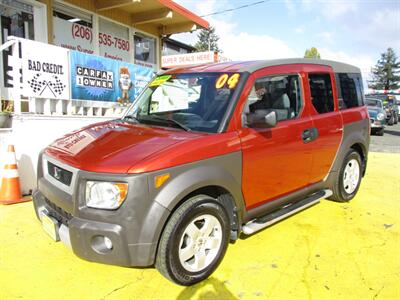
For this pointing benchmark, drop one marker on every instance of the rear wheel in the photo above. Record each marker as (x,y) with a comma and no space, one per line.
(194,241)
(348,179)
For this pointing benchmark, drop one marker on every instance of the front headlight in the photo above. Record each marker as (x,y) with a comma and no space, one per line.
(105,195)
(380,117)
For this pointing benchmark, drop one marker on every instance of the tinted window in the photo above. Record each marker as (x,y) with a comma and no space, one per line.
(321,92)
(349,88)
(281,94)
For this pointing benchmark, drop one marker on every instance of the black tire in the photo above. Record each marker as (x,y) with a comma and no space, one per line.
(173,237)
(380,132)
(339,191)
(395,119)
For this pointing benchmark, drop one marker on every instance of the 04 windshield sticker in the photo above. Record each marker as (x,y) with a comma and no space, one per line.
(226,80)
(160,80)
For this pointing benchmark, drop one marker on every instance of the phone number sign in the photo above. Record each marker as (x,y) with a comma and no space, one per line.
(80,38)
(114,47)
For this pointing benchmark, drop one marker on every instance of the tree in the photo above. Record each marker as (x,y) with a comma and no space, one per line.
(208,40)
(385,74)
(312,53)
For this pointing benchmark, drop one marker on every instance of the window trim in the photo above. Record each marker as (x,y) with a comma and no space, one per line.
(298,116)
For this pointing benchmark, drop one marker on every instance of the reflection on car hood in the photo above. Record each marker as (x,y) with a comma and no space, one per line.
(115,146)
(373,111)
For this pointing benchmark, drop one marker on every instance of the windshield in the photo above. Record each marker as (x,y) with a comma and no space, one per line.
(193,101)
(373,103)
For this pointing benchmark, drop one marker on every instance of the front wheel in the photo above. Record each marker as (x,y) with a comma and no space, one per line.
(348,179)
(194,241)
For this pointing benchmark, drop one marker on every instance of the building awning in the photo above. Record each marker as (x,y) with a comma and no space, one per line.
(162,16)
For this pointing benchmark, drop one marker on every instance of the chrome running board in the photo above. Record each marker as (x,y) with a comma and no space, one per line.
(284,212)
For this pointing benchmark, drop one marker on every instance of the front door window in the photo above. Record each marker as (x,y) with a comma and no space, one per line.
(281,94)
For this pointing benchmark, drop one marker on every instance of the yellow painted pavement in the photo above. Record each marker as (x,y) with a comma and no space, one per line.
(330,251)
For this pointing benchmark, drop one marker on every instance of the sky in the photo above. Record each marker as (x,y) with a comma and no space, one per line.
(353,31)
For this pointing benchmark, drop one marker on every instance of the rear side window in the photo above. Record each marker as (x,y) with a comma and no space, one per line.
(349,90)
(321,92)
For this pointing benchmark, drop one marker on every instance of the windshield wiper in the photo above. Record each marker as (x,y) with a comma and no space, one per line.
(130,118)
(172,121)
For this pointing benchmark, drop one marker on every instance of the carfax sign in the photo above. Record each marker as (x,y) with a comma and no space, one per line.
(45,70)
(103,79)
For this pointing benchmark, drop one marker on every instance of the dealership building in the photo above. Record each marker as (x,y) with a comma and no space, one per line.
(127,32)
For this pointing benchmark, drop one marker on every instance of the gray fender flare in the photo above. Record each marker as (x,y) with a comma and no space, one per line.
(355,133)
(198,177)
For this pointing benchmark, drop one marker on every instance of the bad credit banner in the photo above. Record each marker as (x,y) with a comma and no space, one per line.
(102,79)
(45,70)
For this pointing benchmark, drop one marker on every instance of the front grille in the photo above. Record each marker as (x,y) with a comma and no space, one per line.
(58,213)
(60,174)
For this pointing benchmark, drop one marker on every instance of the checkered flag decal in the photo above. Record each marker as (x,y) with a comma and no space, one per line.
(35,84)
(56,87)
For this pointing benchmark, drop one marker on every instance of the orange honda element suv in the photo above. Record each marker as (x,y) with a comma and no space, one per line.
(204,154)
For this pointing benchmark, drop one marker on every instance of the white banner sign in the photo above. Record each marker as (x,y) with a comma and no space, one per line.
(45,70)
(170,61)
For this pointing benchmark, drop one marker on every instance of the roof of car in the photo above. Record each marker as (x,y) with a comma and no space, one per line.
(251,66)
(373,98)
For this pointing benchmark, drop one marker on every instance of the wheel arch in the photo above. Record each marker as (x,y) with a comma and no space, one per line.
(362,151)
(219,178)
(356,136)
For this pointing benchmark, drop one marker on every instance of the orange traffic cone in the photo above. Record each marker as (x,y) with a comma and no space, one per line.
(10,191)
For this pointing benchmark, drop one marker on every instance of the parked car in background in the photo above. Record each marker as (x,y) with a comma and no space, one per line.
(377,115)
(396,106)
(391,108)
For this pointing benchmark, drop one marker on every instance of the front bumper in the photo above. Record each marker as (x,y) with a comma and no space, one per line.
(82,236)
(134,229)
(376,125)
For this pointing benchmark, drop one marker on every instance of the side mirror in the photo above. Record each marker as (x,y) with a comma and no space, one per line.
(262,118)
(271,119)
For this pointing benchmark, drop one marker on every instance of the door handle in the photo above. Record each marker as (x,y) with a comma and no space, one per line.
(309,135)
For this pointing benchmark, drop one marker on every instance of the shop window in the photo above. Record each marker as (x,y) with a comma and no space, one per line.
(321,92)
(72,29)
(114,40)
(16,20)
(145,50)
(349,89)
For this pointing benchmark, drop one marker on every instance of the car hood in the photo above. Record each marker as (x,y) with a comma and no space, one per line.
(372,111)
(114,146)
